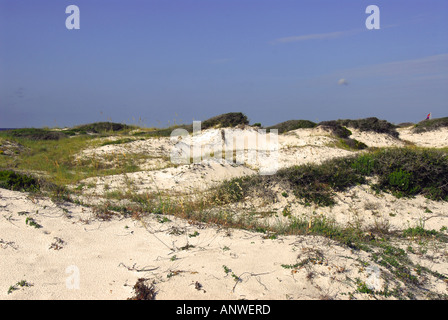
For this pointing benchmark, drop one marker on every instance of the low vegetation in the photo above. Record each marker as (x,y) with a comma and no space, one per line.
(35,134)
(98,127)
(18,182)
(292,125)
(343,134)
(231,119)
(431,125)
(371,124)
(57,134)
(401,171)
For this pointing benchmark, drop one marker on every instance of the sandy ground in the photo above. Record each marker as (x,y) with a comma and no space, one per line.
(72,254)
(431,139)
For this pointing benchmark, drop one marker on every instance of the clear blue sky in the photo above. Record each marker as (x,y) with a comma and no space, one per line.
(156,62)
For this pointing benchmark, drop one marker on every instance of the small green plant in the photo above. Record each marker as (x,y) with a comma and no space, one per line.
(31,222)
(290,266)
(362,287)
(286,211)
(21,283)
(163,219)
(194,234)
(227,270)
(234,276)
(419,232)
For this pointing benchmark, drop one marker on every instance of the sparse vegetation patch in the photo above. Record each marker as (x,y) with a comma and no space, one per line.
(431,125)
(292,125)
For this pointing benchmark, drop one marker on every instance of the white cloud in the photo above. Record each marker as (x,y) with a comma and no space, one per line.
(431,68)
(315,36)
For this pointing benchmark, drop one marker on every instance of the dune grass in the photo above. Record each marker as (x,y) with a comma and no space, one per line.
(292,125)
(371,124)
(431,125)
(405,172)
(55,160)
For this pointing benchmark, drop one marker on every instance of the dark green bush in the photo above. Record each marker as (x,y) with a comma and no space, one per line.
(364,164)
(431,124)
(401,182)
(371,124)
(337,129)
(413,171)
(317,183)
(233,190)
(99,127)
(231,119)
(225,120)
(402,171)
(36,134)
(292,125)
(352,144)
(17,182)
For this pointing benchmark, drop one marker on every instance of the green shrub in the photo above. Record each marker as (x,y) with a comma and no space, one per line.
(337,129)
(371,124)
(231,190)
(17,182)
(364,164)
(99,127)
(419,232)
(231,119)
(413,171)
(317,183)
(402,183)
(292,125)
(36,134)
(431,124)
(351,144)
(402,171)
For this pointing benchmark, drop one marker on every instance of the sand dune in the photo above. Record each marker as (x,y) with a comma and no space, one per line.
(64,251)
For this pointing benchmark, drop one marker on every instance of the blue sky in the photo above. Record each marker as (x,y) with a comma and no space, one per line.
(159,62)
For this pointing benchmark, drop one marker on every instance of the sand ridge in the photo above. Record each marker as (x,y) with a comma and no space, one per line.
(184,259)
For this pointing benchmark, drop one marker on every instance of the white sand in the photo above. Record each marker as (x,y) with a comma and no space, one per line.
(187,260)
(431,139)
